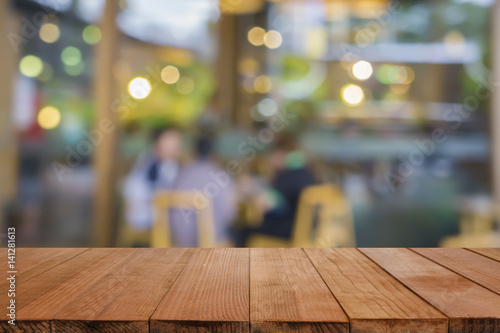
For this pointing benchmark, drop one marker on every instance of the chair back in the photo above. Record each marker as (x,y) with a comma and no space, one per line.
(165,200)
(324,219)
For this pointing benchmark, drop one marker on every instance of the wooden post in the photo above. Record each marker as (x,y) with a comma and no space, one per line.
(226,98)
(495,108)
(105,151)
(9,55)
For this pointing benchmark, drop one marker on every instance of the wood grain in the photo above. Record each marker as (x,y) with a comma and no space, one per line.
(117,294)
(373,300)
(30,263)
(210,295)
(475,267)
(287,294)
(493,253)
(470,307)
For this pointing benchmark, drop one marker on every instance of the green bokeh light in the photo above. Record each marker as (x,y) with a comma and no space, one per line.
(91,34)
(71,56)
(74,70)
(31,66)
(383,74)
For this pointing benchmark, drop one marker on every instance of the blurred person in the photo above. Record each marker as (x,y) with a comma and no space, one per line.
(204,175)
(280,202)
(153,171)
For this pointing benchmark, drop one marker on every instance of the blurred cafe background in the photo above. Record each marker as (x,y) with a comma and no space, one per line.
(250,122)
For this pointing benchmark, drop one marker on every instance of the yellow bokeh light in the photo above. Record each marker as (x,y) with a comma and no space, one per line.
(454,43)
(273,39)
(399,89)
(262,84)
(49,117)
(352,94)
(139,88)
(49,33)
(31,66)
(185,85)
(170,74)
(248,66)
(256,36)
(362,70)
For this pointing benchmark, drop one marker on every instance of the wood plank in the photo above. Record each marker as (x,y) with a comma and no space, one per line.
(30,290)
(373,300)
(117,294)
(470,307)
(288,294)
(210,295)
(32,262)
(493,253)
(475,267)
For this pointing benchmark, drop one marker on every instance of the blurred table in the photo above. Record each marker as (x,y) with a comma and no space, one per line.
(258,290)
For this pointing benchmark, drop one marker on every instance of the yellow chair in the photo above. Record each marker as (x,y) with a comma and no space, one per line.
(165,200)
(335,226)
(476,225)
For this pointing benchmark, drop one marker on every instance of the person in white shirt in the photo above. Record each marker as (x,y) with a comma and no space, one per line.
(153,171)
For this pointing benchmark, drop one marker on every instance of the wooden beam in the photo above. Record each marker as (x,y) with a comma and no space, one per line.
(226,96)
(105,151)
(9,55)
(495,108)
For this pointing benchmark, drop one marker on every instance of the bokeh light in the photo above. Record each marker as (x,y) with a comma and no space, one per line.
(383,74)
(273,39)
(49,118)
(91,34)
(46,73)
(74,70)
(352,94)
(262,84)
(31,66)
(454,43)
(139,88)
(362,70)
(267,107)
(185,85)
(256,36)
(71,56)
(49,33)
(170,74)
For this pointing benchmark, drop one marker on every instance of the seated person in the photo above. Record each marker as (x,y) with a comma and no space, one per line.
(291,178)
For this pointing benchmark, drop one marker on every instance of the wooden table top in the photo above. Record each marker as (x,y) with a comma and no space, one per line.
(257,290)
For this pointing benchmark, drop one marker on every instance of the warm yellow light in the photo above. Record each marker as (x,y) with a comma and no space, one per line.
(352,94)
(185,85)
(362,70)
(170,74)
(139,88)
(399,88)
(454,43)
(248,66)
(262,84)
(256,36)
(49,33)
(273,39)
(31,66)
(49,117)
